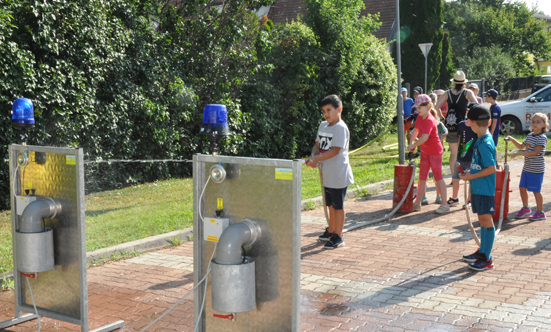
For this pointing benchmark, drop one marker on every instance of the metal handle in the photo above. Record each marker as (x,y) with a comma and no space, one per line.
(458,165)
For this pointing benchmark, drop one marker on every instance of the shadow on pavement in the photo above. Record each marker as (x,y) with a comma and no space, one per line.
(400,293)
(187,279)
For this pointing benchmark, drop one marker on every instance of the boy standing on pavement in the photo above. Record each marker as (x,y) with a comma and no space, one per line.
(482,175)
(331,149)
(495,111)
(408,103)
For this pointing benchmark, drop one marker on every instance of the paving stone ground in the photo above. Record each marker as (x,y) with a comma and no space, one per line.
(401,275)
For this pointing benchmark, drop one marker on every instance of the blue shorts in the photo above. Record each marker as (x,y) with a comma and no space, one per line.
(335,197)
(482,204)
(531,181)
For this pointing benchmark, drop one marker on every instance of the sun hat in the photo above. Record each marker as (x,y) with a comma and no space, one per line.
(492,93)
(473,85)
(404,90)
(421,99)
(459,77)
(478,112)
(439,92)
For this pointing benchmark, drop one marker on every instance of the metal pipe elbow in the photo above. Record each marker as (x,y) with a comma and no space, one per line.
(31,219)
(244,233)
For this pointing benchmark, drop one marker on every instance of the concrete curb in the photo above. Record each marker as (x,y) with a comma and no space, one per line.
(141,245)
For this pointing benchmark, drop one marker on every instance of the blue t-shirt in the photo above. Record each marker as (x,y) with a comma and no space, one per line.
(484,155)
(407,106)
(466,142)
(495,110)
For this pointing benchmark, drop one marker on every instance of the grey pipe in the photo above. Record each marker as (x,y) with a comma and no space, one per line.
(244,233)
(31,219)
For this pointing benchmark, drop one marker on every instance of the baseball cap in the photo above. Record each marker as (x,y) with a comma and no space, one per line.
(492,93)
(439,92)
(418,89)
(473,85)
(478,112)
(421,99)
(404,90)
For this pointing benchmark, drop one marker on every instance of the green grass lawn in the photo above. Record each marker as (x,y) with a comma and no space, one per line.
(118,216)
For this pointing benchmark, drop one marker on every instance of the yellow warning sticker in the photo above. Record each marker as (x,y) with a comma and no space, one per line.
(213,221)
(71,160)
(212,238)
(284,174)
(219,203)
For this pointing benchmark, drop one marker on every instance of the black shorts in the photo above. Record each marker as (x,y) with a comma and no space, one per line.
(335,197)
(482,204)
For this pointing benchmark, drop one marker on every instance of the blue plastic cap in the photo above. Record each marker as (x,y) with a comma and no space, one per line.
(215,120)
(22,113)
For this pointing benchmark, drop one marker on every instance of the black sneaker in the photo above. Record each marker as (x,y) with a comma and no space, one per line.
(453,201)
(482,265)
(335,242)
(474,257)
(326,236)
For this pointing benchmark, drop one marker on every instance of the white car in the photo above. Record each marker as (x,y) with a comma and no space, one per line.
(516,117)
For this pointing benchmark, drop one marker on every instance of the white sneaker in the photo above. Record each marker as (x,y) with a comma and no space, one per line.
(442,209)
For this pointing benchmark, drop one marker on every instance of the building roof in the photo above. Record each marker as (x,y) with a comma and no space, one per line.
(542,16)
(286,11)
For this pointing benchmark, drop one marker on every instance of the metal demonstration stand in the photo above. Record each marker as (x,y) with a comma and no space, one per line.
(50,174)
(266,192)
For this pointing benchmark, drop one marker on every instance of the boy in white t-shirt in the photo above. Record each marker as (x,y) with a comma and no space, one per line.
(331,150)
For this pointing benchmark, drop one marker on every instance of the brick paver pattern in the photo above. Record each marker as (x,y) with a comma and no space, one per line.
(401,275)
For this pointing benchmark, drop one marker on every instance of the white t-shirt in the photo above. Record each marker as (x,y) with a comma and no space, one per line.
(337,173)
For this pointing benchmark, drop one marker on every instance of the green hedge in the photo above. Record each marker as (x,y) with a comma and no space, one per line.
(129,79)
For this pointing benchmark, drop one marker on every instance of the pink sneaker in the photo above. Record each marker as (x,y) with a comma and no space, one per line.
(537,216)
(523,213)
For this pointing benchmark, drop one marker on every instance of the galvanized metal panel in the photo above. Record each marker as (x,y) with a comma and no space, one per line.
(57,293)
(273,202)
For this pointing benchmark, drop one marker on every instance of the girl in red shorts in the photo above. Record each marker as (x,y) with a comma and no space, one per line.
(431,152)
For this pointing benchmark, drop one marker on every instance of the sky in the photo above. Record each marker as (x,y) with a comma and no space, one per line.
(543,5)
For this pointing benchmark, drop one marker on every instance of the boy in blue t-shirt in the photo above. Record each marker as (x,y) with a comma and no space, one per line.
(408,103)
(495,112)
(482,175)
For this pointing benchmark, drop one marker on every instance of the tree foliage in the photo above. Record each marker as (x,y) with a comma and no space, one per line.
(507,25)
(447,68)
(490,63)
(421,22)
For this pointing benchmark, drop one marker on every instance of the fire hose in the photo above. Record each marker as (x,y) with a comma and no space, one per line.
(503,193)
(370,222)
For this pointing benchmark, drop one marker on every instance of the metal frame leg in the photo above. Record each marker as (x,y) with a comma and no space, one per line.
(17,320)
(110,327)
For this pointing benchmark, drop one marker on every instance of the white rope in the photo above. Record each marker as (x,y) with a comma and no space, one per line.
(13,179)
(205,292)
(471,227)
(137,161)
(201,199)
(387,216)
(175,304)
(34,305)
(323,195)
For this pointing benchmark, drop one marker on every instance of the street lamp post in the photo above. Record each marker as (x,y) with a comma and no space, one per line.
(400,102)
(425,48)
